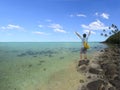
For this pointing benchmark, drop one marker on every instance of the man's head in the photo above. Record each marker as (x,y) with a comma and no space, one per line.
(84,35)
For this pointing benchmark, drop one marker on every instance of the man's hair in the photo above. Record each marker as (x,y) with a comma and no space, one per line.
(84,35)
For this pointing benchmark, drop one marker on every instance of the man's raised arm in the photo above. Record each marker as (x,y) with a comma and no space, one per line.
(89,33)
(78,35)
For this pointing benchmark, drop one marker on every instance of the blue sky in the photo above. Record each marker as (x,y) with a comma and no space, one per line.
(56,20)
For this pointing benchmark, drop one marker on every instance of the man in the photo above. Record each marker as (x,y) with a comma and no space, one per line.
(83,49)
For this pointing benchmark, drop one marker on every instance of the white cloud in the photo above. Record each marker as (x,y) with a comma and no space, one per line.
(105,15)
(78,15)
(96,25)
(39,33)
(40,26)
(48,20)
(87,31)
(12,27)
(71,15)
(57,28)
(81,15)
(54,26)
(96,13)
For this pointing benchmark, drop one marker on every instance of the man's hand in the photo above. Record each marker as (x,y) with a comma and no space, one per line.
(78,35)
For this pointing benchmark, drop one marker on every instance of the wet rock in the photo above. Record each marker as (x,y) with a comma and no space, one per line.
(81,81)
(82,68)
(108,74)
(82,62)
(95,85)
(106,49)
(61,57)
(41,62)
(30,52)
(34,56)
(94,71)
(44,69)
(21,55)
(111,88)
(83,88)
(50,55)
(110,70)
(95,65)
(116,82)
(89,77)
(30,65)
(101,50)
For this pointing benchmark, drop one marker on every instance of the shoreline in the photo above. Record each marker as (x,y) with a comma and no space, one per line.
(103,71)
(68,78)
(65,79)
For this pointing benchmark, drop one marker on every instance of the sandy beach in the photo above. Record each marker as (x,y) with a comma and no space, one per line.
(66,79)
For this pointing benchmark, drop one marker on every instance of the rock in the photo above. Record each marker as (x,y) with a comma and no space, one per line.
(44,69)
(81,81)
(50,55)
(110,70)
(82,68)
(83,88)
(101,50)
(89,77)
(104,73)
(94,65)
(106,50)
(94,71)
(116,82)
(81,62)
(21,55)
(111,88)
(34,56)
(30,65)
(61,57)
(95,85)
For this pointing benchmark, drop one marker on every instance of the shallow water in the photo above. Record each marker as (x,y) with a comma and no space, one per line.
(24,66)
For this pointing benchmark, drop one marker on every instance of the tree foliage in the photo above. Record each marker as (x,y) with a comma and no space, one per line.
(113,29)
(113,34)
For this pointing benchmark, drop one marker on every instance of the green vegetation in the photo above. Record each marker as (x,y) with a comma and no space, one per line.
(114,39)
(113,35)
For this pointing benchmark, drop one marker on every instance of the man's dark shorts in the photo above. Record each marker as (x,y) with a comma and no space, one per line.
(83,50)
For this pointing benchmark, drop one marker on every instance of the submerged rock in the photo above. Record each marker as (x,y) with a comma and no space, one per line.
(61,57)
(30,65)
(21,55)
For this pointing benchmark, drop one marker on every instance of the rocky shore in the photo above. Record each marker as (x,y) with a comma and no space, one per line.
(102,72)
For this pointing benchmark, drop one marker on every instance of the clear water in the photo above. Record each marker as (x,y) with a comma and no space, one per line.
(27,65)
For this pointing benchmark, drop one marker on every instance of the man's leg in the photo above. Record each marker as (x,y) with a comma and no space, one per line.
(81,56)
(85,56)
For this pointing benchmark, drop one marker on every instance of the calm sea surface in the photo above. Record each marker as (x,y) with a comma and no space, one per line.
(24,64)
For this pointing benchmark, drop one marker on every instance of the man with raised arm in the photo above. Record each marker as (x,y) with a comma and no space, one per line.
(85,45)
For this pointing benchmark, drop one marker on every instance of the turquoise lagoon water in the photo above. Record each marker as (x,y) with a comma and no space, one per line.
(24,65)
